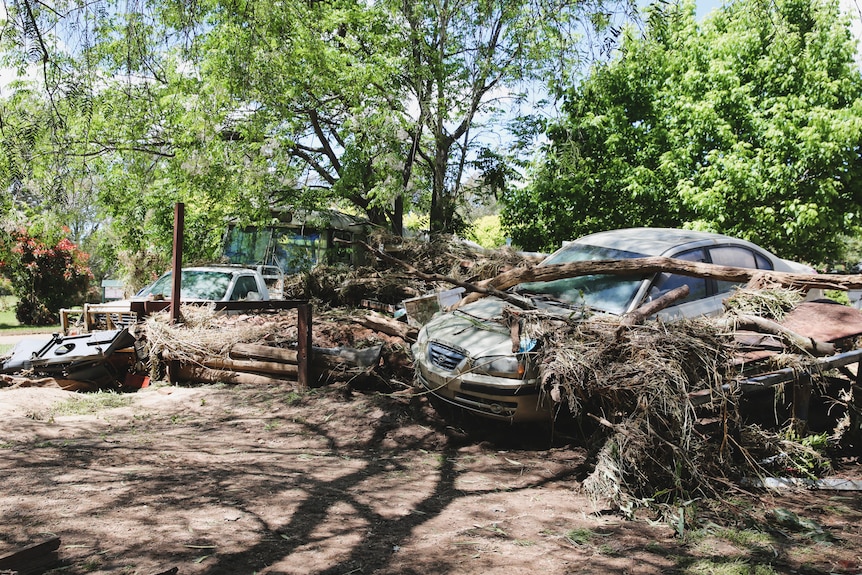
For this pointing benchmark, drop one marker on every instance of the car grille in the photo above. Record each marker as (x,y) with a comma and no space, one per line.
(444,356)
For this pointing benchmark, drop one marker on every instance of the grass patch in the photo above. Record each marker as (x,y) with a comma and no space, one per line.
(90,403)
(580,536)
(734,566)
(9,324)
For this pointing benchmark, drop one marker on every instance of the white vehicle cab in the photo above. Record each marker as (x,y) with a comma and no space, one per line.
(210,283)
(198,284)
(465,358)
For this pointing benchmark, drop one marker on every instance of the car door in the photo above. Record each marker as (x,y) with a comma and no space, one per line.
(707,297)
(700,299)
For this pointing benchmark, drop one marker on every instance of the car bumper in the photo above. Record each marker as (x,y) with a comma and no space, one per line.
(501,399)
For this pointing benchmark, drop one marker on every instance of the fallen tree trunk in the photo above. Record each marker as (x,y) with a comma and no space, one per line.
(285,370)
(263,352)
(188,372)
(389,326)
(652,265)
(327,356)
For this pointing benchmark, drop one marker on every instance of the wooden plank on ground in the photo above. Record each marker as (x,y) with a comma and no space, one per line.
(33,558)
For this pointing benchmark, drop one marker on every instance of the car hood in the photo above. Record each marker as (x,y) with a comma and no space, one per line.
(475,328)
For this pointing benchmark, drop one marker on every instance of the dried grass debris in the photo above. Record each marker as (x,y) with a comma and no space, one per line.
(773,303)
(655,446)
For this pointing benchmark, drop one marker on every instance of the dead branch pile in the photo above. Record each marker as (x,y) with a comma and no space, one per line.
(635,383)
(209,339)
(447,255)
(386,282)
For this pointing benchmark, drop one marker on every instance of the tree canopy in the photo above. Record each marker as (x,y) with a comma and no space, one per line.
(749,124)
(123,109)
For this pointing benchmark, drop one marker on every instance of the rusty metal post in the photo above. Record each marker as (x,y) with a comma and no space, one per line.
(801,403)
(177,262)
(303,345)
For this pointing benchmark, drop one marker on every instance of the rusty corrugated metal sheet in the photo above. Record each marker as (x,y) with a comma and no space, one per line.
(824,321)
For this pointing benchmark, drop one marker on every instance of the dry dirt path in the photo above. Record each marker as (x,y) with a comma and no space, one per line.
(243,480)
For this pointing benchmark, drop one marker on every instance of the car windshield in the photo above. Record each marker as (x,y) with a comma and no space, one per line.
(607,293)
(196,284)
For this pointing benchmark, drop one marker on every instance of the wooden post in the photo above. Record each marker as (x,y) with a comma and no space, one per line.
(855,407)
(34,558)
(303,344)
(177,262)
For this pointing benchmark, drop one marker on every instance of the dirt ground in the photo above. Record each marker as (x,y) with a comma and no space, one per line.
(242,480)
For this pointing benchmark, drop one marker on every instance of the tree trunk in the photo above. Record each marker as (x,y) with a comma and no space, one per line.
(651,265)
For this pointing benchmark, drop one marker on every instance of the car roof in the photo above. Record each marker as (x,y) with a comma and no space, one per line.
(226,269)
(656,241)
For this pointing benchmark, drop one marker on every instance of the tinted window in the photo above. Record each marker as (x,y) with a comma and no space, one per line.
(738,257)
(666,282)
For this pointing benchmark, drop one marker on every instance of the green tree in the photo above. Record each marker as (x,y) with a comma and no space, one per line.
(115,125)
(46,274)
(319,83)
(749,125)
(468,67)
(232,106)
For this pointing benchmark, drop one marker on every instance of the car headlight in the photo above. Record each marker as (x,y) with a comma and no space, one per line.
(500,366)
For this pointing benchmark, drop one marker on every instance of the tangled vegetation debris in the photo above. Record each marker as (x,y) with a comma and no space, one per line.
(655,445)
(385,281)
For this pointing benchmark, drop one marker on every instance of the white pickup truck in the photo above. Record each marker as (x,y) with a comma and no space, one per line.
(212,283)
(215,283)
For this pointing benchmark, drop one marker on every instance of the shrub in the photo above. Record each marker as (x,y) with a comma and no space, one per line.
(45,278)
(487,232)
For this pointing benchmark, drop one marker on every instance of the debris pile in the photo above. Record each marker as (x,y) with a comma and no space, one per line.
(665,398)
(261,348)
(388,280)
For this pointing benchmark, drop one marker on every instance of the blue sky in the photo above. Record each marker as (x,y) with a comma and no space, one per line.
(704,7)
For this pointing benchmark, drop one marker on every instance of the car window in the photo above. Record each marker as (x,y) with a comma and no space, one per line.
(196,284)
(666,282)
(244,286)
(736,256)
(161,287)
(577,252)
(608,293)
(209,285)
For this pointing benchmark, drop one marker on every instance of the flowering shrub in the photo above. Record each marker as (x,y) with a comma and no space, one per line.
(45,278)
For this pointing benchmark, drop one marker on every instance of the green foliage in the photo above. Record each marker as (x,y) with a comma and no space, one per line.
(747,125)
(231,108)
(45,276)
(415,222)
(487,232)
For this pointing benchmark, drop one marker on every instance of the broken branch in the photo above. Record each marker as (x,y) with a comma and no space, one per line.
(433,277)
